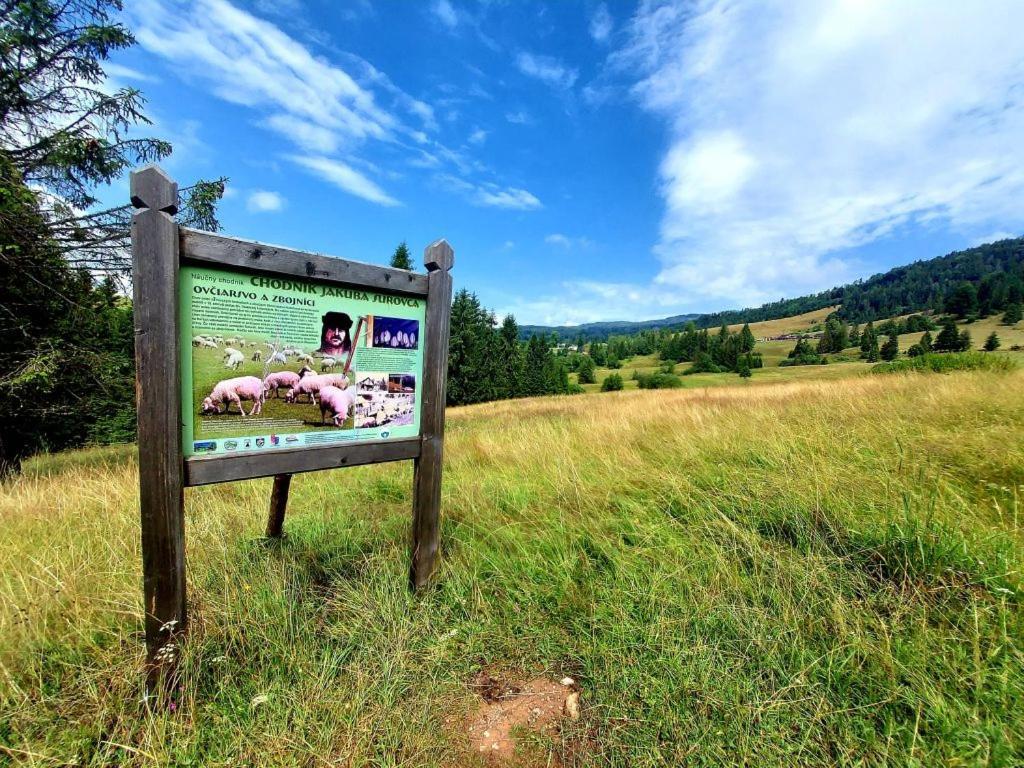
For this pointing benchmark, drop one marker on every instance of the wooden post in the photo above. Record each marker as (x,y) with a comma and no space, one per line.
(438,259)
(278,503)
(158,401)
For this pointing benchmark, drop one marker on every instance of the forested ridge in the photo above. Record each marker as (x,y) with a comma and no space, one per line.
(925,285)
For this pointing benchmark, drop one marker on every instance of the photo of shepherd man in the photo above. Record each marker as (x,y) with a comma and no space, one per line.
(336,336)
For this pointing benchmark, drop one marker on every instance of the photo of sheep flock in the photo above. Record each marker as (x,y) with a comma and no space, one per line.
(473,384)
(271,386)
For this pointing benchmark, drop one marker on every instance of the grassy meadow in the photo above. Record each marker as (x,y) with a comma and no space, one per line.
(772,352)
(811,573)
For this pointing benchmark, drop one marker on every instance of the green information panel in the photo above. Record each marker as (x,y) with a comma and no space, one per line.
(270,363)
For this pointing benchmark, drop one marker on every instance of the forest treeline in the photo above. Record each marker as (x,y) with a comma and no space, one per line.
(993,269)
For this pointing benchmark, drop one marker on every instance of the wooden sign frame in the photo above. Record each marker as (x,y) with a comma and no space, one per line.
(159,248)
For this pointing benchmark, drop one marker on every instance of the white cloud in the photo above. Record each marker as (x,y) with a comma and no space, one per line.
(479,136)
(309,136)
(564,241)
(345,177)
(587,301)
(520,117)
(118,72)
(326,108)
(508,197)
(601,23)
(262,201)
(445,13)
(811,127)
(251,62)
(547,69)
(490,195)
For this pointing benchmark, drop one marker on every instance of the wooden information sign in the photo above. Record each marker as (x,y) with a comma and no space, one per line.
(257,361)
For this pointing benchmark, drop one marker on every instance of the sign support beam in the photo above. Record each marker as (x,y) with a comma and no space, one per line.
(158,403)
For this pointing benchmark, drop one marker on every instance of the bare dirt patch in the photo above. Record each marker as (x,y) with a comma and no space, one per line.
(507,706)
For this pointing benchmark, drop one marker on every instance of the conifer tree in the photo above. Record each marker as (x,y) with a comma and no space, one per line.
(992,343)
(510,359)
(948,339)
(747,338)
(868,339)
(891,349)
(401,259)
(535,368)
(873,352)
(925,342)
(854,336)
(964,341)
(1012,315)
(586,370)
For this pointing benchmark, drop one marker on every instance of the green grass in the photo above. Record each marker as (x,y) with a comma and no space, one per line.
(948,362)
(813,573)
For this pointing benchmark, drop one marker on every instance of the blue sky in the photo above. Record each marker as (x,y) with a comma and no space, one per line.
(598,160)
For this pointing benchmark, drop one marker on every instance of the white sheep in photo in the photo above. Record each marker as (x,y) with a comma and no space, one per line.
(328,363)
(311,385)
(277,357)
(234,391)
(208,344)
(278,381)
(234,359)
(337,402)
(305,360)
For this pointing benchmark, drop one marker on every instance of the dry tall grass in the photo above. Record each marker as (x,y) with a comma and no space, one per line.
(814,573)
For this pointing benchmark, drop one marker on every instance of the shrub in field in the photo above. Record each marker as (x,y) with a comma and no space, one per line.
(658,381)
(703,364)
(612,383)
(956,361)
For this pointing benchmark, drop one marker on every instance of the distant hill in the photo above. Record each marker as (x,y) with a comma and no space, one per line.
(602,330)
(996,270)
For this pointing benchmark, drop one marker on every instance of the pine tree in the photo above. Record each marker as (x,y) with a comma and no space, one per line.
(586,370)
(510,359)
(868,339)
(747,338)
(925,343)
(963,342)
(401,259)
(854,336)
(891,349)
(1012,315)
(743,368)
(963,302)
(535,368)
(992,343)
(873,352)
(948,339)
